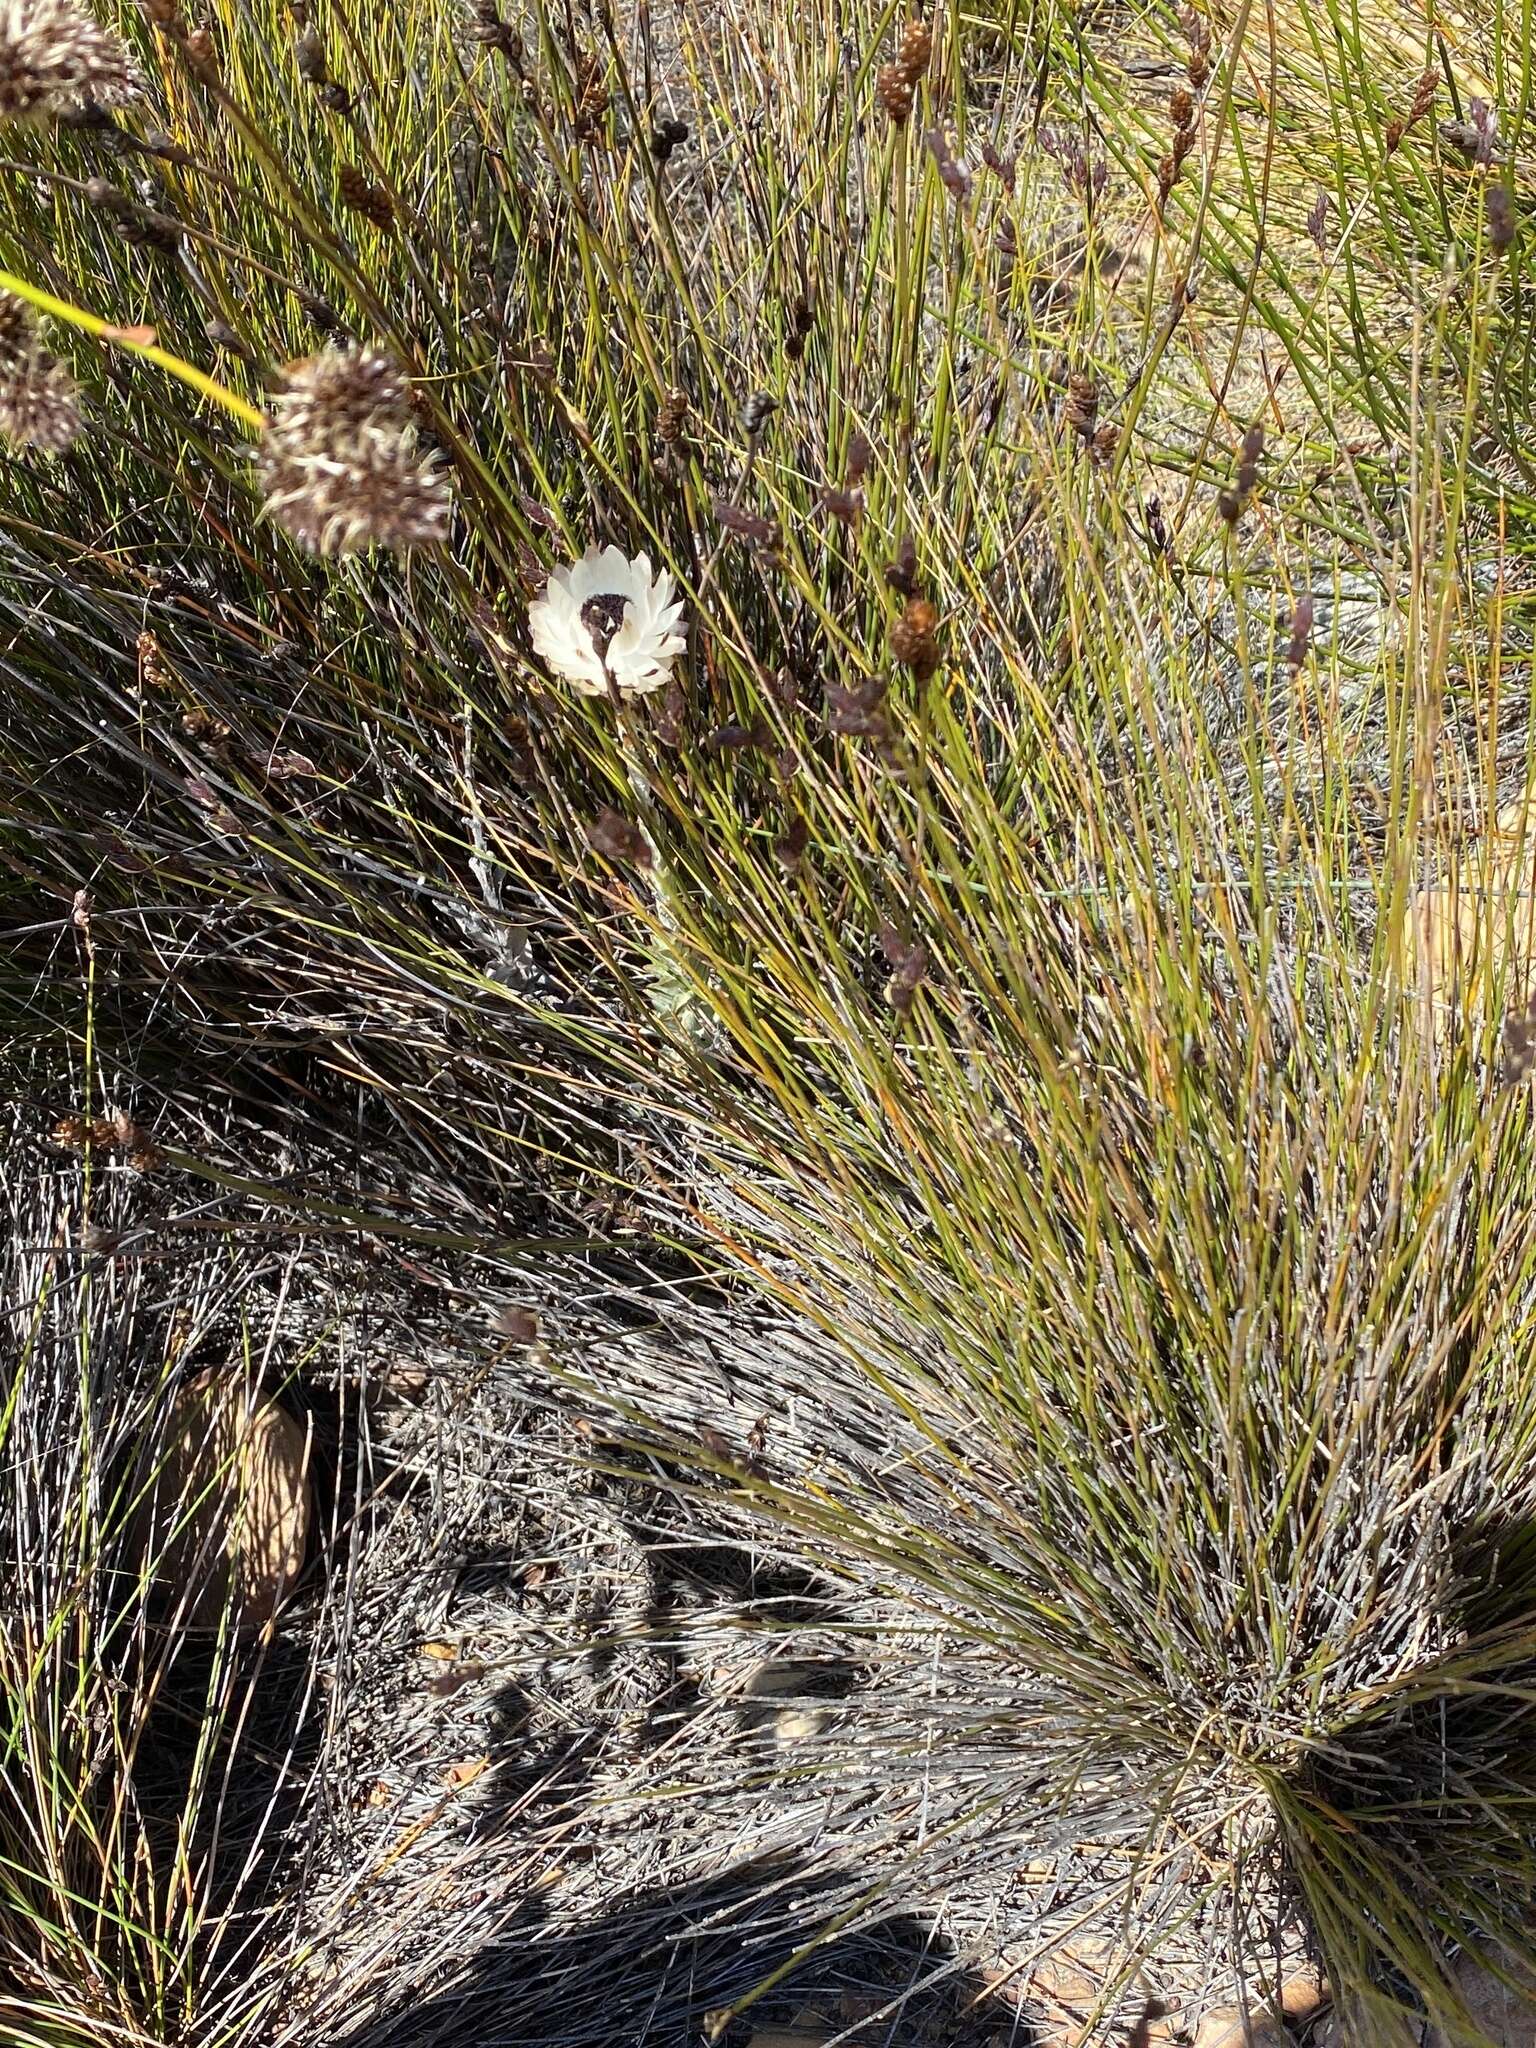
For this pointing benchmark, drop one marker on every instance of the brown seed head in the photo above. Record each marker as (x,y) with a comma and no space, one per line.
(1423,99)
(1181,106)
(672,417)
(914,640)
(1423,95)
(915,51)
(1082,409)
(362,195)
(893,89)
(618,839)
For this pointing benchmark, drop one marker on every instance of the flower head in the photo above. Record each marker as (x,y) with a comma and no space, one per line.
(39,399)
(339,463)
(54,55)
(607,617)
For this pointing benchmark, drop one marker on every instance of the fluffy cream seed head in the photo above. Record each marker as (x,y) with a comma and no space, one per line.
(607,616)
(39,399)
(54,55)
(339,464)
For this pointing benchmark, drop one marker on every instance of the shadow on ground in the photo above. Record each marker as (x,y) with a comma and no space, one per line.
(663,1968)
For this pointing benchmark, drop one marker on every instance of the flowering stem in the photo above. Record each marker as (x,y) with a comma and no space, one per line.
(107,330)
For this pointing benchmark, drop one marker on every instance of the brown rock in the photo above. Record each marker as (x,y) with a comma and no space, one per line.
(1302,1996)
(1072,1987)
(1502,2014)
(227,1516)
(1224,2026)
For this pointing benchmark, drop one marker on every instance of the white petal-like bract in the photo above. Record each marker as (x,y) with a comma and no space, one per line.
(607,616)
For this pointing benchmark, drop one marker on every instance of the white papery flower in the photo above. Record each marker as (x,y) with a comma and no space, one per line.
(609,609)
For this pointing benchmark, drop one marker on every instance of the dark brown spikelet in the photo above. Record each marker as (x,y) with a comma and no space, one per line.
(893,89)
(1159,540)
(908,962)
(764,535)
(155,676)
(1302,619)
(802,320)
(736,738)
(1004,168)
(1317,223)
(204,727)
(517,1324)
(618,839)
(39,399)
(847,505)
(1423,99)
(1501,217)
(955,178)
(593,100)
(757,409)
(669,714)
(320,315)
(496,34)
(914,640)
(340,465)
(1231,503)
(672,417)
(54,56)
(118,1135)
(789,847)
(1183,146)
(901,574)
(1423,95)
(1197,35)
(1082,408)
(309,55)
(666,137)
(360,193)
(854,710)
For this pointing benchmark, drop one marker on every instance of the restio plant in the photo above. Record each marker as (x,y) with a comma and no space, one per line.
(1048,505)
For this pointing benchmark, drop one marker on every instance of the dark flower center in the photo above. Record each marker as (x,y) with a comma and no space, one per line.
(602,616)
